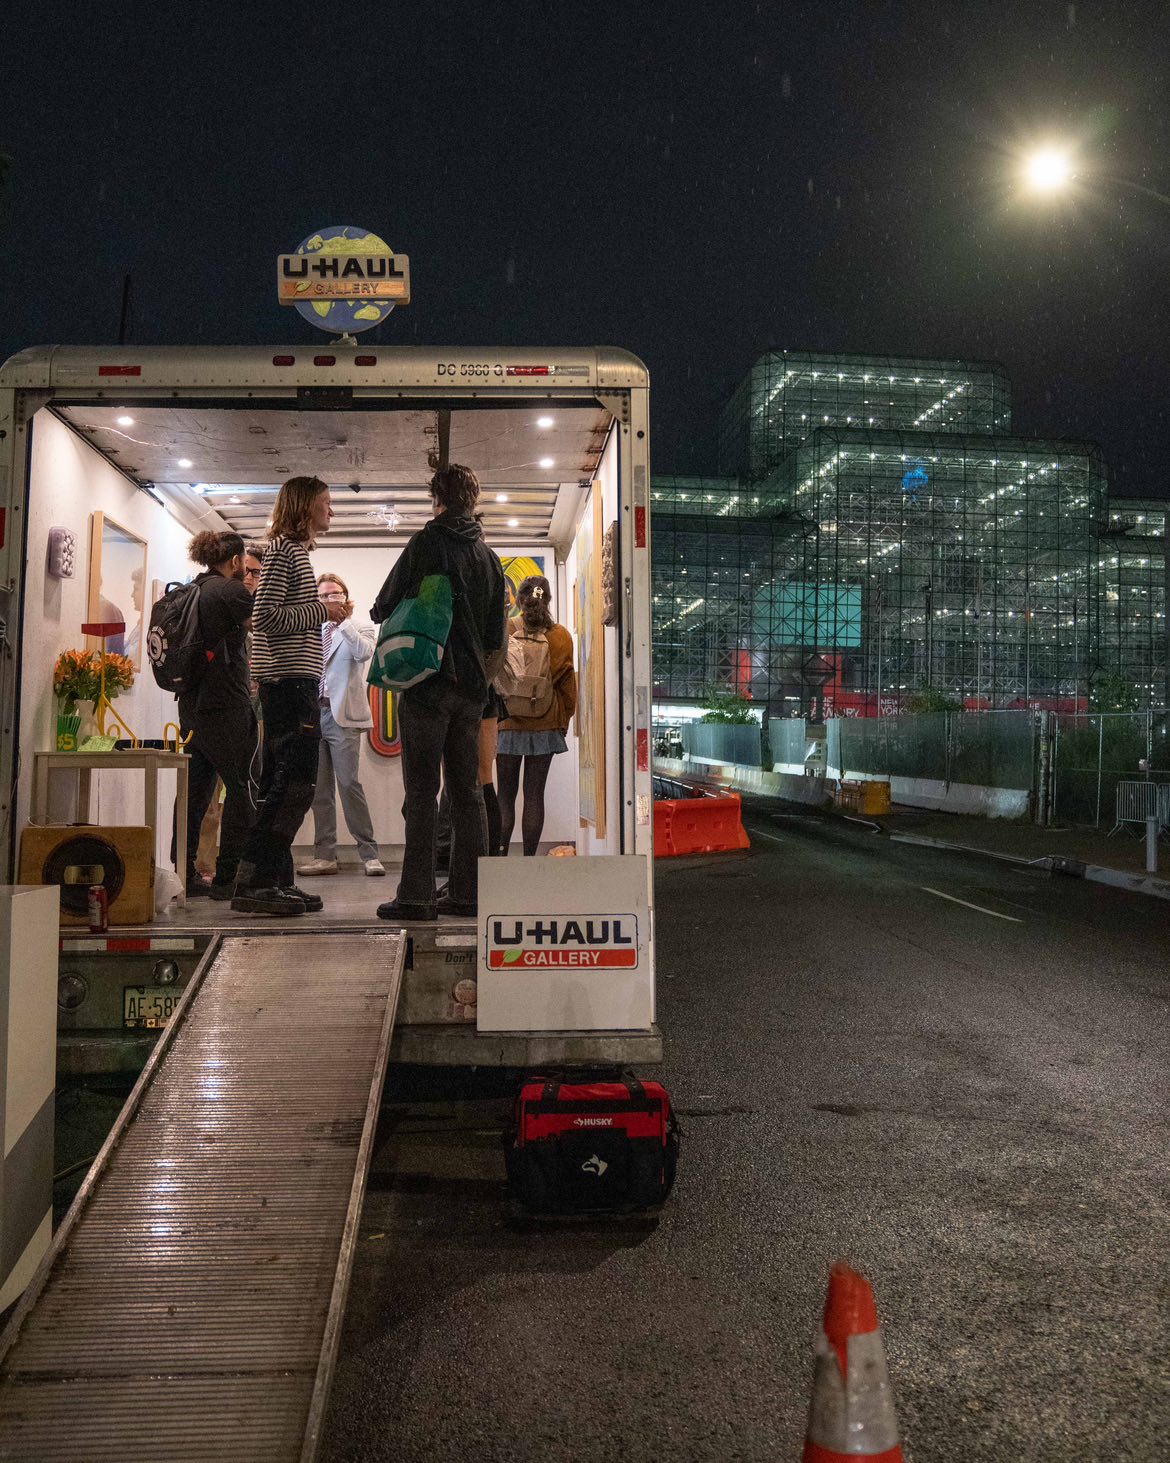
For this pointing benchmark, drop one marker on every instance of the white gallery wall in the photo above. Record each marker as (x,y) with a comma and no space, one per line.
(70,482)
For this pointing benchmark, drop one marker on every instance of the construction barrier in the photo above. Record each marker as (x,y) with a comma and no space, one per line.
(851,1415)
(864,796)
(702,824)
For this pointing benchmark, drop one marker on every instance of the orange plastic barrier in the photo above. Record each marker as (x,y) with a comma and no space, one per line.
(698,825)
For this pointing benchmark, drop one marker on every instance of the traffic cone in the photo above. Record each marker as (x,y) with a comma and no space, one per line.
(851,1415)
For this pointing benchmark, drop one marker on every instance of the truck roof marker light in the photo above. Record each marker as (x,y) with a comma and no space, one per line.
(284,360)
(365,360)
(324,360)
(119,370)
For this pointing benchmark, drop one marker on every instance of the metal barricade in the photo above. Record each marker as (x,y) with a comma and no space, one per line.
(1138,801)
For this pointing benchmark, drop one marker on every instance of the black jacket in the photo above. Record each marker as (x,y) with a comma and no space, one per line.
(455,545)
(224,608)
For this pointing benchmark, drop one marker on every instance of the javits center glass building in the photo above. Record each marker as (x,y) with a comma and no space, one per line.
(863,562)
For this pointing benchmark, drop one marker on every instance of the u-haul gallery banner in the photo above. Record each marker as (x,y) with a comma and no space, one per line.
(565,947)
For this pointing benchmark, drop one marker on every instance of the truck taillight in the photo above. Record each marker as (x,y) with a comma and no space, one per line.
(284,360)
(365,360)
(324,360)
(119,370)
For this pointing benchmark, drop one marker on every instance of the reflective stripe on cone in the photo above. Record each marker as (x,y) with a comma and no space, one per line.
(851,1415)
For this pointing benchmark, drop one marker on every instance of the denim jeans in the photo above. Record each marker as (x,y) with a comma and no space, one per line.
(292,738)
(440,731)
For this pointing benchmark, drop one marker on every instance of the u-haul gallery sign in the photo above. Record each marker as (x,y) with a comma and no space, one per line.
(566,948)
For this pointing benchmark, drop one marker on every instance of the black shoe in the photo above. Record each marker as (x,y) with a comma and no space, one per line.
(221,891)
(416,913)
(447,905)
(313,902)
(266,901)
(198,889)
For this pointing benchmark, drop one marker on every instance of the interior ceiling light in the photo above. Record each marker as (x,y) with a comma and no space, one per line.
(544,422)
(513,523)
(125,421)
(235,498)
(199,488)
(546,462)
(501,497)
(184,462)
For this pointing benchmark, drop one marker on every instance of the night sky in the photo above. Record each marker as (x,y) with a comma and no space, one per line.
(694,183)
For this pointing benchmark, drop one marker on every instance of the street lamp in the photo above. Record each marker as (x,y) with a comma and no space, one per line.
(1049,170)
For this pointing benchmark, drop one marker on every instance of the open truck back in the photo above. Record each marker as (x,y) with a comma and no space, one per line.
(130,450)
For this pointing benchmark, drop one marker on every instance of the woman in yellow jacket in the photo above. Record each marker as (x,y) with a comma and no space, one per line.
(532,742)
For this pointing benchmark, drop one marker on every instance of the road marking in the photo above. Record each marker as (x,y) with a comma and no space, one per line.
(994,913)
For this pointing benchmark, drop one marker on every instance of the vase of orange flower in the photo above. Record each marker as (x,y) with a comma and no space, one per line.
(77,684)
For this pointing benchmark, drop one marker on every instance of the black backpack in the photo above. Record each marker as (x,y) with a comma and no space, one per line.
(178,657)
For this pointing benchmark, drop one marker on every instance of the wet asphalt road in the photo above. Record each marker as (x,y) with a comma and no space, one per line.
(968,1103)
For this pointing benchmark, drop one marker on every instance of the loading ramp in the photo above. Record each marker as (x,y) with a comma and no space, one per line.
(190,1305)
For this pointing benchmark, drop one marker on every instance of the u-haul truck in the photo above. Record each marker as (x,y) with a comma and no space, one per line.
(110,458)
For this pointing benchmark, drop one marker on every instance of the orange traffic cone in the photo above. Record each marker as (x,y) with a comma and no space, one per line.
(852,1411)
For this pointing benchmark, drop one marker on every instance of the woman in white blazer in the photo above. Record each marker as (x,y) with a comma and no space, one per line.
(345,716)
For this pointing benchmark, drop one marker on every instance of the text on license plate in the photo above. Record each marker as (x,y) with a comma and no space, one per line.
(146,1009)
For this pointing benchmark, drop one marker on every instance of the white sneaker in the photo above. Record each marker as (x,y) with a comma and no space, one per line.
(318,866)
(373,867)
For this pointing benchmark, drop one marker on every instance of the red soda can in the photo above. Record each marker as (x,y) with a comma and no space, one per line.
(99,909)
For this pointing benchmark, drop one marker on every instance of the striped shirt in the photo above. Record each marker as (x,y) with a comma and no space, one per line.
(287,615)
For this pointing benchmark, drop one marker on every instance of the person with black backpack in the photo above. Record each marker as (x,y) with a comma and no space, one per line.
(215,705)
(440,711)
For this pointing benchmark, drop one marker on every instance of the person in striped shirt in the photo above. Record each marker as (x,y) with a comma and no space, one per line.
(287,616)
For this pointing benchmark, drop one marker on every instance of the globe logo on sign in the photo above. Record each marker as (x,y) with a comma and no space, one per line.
(349,279)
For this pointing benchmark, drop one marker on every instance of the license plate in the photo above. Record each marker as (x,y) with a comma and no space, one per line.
(145,1008)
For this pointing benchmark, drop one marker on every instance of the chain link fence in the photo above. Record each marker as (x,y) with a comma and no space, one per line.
(1092,753)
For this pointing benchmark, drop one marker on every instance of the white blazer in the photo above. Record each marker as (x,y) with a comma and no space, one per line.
(345,673)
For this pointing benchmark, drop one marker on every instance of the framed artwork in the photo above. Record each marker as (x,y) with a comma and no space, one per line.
(516,571)
(590,713)
(117,585)
(609,590)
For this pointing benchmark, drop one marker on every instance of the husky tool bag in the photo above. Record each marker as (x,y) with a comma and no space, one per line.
(591,1147)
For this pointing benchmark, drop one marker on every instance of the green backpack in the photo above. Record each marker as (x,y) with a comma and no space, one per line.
(411,642)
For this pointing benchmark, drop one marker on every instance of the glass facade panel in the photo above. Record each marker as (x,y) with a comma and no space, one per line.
(856,562)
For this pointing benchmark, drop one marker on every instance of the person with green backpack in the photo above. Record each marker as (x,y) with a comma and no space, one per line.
(442,639)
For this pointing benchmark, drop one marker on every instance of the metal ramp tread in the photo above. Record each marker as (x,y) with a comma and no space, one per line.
(191,1303)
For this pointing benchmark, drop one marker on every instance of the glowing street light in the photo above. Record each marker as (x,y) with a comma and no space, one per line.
(1049,170)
